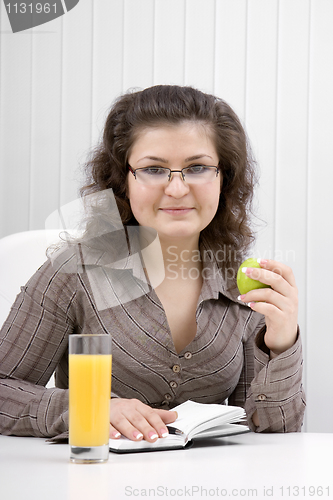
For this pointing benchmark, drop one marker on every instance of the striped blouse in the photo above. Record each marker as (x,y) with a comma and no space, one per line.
(227,361)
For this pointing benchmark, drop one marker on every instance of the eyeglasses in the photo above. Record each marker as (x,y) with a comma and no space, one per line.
(195,174)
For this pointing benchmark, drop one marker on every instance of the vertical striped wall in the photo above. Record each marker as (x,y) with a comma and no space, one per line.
(270,59)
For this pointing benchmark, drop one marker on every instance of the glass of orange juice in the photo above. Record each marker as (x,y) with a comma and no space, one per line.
(90,364)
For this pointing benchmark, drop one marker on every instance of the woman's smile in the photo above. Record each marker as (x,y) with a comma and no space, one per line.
(177,211)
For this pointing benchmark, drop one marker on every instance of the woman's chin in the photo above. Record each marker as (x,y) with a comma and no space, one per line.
(178,234)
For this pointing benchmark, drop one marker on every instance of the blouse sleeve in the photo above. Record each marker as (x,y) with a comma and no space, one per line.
(273,387)
(33,340)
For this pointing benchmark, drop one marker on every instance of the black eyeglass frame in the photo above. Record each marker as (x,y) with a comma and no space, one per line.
(217,169)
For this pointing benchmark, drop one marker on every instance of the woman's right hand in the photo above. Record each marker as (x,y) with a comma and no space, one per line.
(136,420)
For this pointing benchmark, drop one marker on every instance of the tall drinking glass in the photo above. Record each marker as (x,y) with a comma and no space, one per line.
(90,364)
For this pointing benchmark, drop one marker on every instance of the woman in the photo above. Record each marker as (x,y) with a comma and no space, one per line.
(178,162)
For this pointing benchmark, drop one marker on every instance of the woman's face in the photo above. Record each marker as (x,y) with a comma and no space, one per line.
(174,209)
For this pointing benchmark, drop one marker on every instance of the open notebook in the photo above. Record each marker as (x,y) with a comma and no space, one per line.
(195,421)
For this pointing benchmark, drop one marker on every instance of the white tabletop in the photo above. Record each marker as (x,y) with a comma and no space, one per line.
(261,466)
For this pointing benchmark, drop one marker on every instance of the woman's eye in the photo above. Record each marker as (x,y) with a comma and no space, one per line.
(153,171)
(196,169)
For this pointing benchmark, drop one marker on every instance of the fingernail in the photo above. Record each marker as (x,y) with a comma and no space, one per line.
(240,297)
(152,435)
(244,269)
(115,434)
(137,435)
(262,262)
(164,432)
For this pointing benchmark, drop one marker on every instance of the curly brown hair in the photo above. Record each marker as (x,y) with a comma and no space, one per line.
(167,105)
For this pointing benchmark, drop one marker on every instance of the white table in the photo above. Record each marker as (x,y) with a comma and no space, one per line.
(247,466)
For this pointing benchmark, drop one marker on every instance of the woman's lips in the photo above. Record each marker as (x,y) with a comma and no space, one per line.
(177,210)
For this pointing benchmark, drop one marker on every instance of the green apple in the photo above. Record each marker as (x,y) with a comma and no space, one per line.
(244,283)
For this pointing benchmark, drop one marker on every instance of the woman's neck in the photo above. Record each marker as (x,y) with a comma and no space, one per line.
(181,258)
(175,259)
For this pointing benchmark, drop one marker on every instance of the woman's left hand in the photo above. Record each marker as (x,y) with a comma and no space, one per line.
(279,304)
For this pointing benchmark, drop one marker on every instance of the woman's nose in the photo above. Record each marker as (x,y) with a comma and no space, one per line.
(176,186)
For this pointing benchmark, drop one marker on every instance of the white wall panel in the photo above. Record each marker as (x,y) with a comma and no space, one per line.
(292,126)
(230,53)
(169,42)
(260,112)
(199,67)
(76,106)
(15,130)
(138,43)
(45,122)
(107,63)
(319,338)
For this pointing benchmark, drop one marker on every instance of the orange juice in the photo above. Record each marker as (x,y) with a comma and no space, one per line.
(89,399)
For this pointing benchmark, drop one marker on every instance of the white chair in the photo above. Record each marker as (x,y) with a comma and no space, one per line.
(21,254)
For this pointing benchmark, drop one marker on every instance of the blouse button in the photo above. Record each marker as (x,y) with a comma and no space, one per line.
(173,384)
(176,368)
(261,397)
(188,355)
(167,397)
